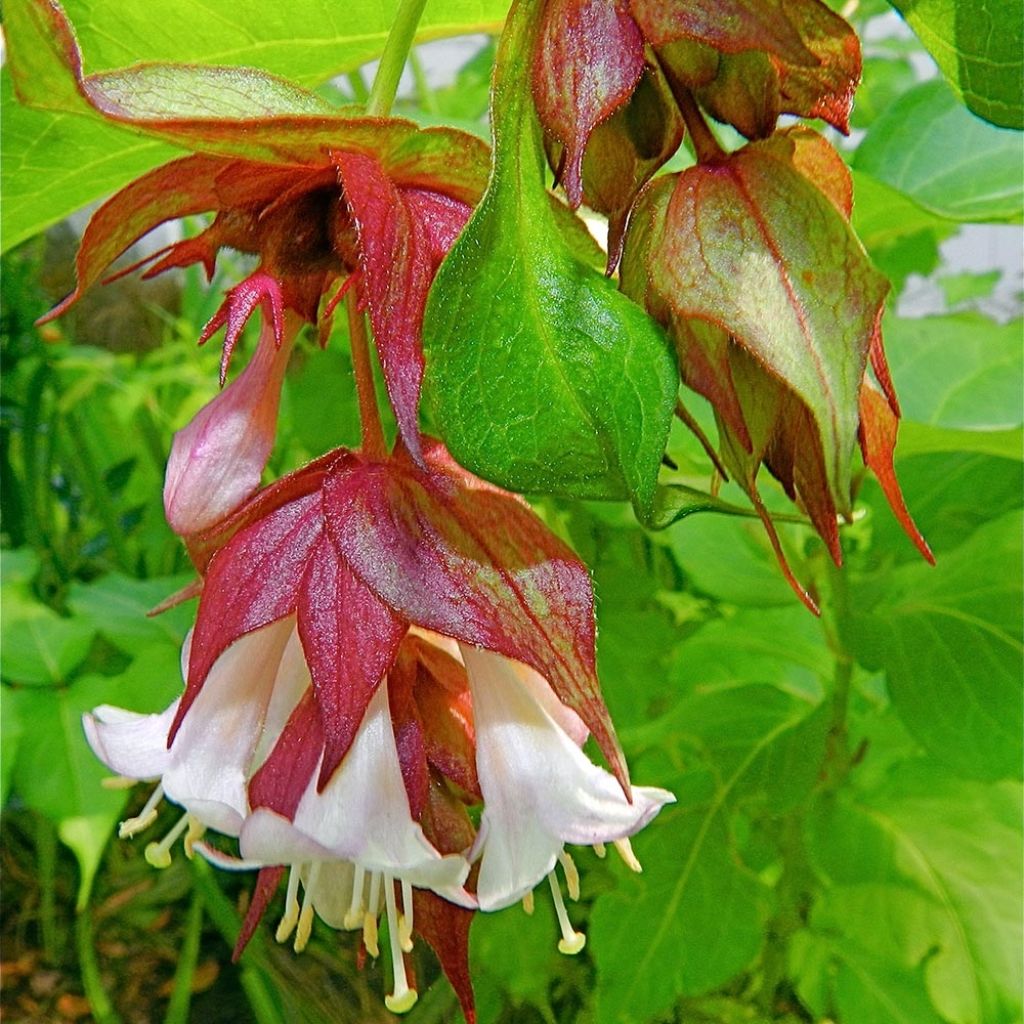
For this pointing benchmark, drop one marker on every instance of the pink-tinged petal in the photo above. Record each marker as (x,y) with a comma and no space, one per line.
(402,238)
(178,189)
(212,754)
(462,558)
(217,460)
(540,790)
(588,58)
(878,428)
(350,639)
(130,744)
(250,582)
(361,816)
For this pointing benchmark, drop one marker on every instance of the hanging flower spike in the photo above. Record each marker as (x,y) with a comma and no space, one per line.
(217,460)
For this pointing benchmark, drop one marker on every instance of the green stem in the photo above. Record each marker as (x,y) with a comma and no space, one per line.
(392,60)
(425,95)
(103,1011)
(359,91)
(46,856)
(181,996)
(373,442)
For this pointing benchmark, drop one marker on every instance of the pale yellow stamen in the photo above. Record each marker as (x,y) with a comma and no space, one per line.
(600,850)
(291,907)
(405,918)
(132,826)
(117,782)
(196,831)
(159,854)
(571,941)
(403,998)
(370,917)
(528,902)
(625,851)
(354,915)
(305,926)
(572,876)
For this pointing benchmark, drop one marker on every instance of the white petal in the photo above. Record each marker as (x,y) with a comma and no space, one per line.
(130,744)
(330,891)
(540,790)
(211,759)
(362,816)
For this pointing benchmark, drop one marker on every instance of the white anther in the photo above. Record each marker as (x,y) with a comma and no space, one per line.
(132,826)
(305,925)
(159,854)
(572,876)
(403,998)
(291,907)
(625,851)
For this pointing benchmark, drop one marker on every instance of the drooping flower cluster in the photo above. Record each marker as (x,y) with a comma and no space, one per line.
(379,648)
(392,670)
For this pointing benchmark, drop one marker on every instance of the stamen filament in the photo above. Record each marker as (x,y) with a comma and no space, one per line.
(196,831)
(132,826)
(572,875)
(528,902)
(370,917)
(571,941)
(291,907)
(625,851)
(159,854)
(305,926)
(354,916)
(403,998)
(405,918)
(118,782)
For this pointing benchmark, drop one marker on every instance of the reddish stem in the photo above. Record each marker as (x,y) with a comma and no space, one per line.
(369,415)
(704,142)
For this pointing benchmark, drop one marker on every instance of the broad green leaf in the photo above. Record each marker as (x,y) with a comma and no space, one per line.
(948,638)
(549,379)
(783,647)
(857,982)
(919,439)
(39,647)
(944,158)
(688,924)
(885,80)
(55,162)
(962,370)
(731,560)
(56,772)
(978,44)
(58,775)
(693,919)
(952,492)
(938,859)
(882,214)
(117,607)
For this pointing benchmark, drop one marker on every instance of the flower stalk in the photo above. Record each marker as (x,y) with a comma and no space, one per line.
(374,444)
(392,61)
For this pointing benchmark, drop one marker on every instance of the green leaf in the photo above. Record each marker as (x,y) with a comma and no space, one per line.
(117,607)
(732,560)
(58,775)
(978,45)
(40,648)
(939,860)
(962,371)
(692,921)
(944,158)
(11,731)
(549,379)
(55,162)
(688,924)
(948,638)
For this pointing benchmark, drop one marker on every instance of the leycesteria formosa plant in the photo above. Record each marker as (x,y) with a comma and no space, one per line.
(392,671)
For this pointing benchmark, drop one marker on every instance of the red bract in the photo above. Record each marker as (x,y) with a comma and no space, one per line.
(358,549)
(316,196)
(588,58)
(775,310)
